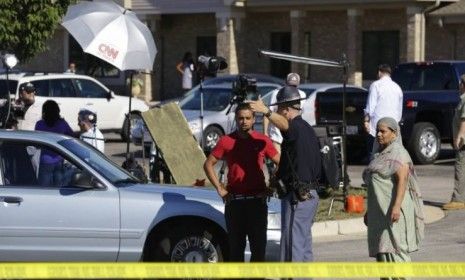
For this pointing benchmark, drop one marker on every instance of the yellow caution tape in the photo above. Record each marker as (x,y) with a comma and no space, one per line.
(229,270)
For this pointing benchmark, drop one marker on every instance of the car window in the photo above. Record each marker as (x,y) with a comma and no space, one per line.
(437,76)
(262,90)
(214,99)
(98,161)
(42,87)
(90,89)
(32,164)
(11,84)
(62,88)
(308,91)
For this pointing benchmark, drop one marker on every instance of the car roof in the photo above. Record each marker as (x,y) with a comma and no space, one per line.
(325,86)
(229,78)
(32,76)
(31,134)
(226,85)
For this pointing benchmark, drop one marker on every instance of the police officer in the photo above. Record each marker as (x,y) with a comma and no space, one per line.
(300,163)
(87,121)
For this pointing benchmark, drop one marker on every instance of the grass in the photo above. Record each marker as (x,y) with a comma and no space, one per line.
(337,212)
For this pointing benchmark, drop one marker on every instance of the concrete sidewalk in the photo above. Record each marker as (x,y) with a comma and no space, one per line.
(356,227)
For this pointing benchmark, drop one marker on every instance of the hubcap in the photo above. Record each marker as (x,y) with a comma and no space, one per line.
(428,144)
(194,249)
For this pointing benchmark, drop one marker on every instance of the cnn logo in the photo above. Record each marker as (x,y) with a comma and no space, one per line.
(108,51)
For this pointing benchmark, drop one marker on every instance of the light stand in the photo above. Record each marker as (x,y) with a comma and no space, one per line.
(9,61)
(128,116)
(202,140)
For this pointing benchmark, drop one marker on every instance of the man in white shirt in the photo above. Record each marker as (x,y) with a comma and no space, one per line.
(31,110)
(293,79)
(87,121)
(385,99)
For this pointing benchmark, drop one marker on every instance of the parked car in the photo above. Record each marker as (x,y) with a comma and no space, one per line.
(218,117)
(73,92)
(100,212)
(311,91)
(431,93)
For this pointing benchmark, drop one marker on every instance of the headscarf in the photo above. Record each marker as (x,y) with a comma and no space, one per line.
(386,163)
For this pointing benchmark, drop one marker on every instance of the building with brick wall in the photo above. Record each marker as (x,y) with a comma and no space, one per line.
(369,32)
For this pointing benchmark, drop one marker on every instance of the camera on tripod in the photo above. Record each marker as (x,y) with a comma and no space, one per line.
(244,88)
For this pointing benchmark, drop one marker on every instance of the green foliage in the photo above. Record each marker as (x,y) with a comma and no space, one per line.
(25,25)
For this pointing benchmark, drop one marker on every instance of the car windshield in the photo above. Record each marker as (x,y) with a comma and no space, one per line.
(98,161)
(214,99)
(308,91)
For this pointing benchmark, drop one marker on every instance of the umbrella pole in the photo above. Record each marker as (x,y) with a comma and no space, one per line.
(128,116)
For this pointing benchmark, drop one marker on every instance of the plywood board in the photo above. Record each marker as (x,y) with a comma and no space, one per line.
(170,131)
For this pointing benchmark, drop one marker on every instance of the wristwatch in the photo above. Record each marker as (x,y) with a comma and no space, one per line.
(268,114)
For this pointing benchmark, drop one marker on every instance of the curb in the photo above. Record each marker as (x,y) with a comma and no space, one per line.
(356,226)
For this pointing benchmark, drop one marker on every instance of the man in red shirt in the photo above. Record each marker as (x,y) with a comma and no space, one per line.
(245,194)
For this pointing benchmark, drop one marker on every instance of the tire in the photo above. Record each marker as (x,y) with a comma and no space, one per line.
(124,130)
(425,143)
(211,136)
(188,243)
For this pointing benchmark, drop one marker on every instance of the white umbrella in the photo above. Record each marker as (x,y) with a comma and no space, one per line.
(111,33)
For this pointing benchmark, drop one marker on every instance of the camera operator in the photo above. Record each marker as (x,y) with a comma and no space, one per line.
(297,174)
(25,112)
(245,195)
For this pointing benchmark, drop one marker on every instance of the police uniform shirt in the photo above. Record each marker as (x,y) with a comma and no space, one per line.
(301,143)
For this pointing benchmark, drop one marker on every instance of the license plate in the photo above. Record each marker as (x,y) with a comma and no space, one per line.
(352,130)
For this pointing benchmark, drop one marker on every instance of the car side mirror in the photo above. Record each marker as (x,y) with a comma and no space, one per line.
(109,95)
(85,180)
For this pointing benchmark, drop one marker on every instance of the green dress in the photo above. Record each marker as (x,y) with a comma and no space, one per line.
(392,242)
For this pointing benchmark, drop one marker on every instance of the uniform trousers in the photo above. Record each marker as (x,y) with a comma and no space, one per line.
(247,218)
(296,228)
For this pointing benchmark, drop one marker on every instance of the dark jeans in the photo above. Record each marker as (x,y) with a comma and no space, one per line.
(247,218)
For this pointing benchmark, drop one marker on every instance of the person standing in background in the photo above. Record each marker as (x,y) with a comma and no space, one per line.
(186,68)
(51,163)
(385,99)
(87,122)
(458,196)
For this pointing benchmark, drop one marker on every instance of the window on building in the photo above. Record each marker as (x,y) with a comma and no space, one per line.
(89,64)
(379,47)
(280,42)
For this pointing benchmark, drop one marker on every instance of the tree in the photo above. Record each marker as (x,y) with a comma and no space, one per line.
(25,25)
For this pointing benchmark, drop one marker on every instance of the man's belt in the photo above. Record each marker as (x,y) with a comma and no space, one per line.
(246,197)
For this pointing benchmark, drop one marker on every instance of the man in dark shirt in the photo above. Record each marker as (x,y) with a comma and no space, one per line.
(300,162)
(246,210)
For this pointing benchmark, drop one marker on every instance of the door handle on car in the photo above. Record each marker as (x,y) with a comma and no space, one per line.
(89,104)
(11,199)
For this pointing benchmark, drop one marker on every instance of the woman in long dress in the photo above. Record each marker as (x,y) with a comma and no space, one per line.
(394,215)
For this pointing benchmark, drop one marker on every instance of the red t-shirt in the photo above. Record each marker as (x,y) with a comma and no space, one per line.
(245,158)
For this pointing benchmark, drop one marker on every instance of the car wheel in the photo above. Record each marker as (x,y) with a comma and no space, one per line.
(211,136)
(425,143)
(188,244)
(124,129)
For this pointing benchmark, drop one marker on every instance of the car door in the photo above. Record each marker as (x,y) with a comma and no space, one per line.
(96,100)
(53,222)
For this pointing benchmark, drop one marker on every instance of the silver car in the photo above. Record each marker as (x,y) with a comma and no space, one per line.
(96,211)
(218,112)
